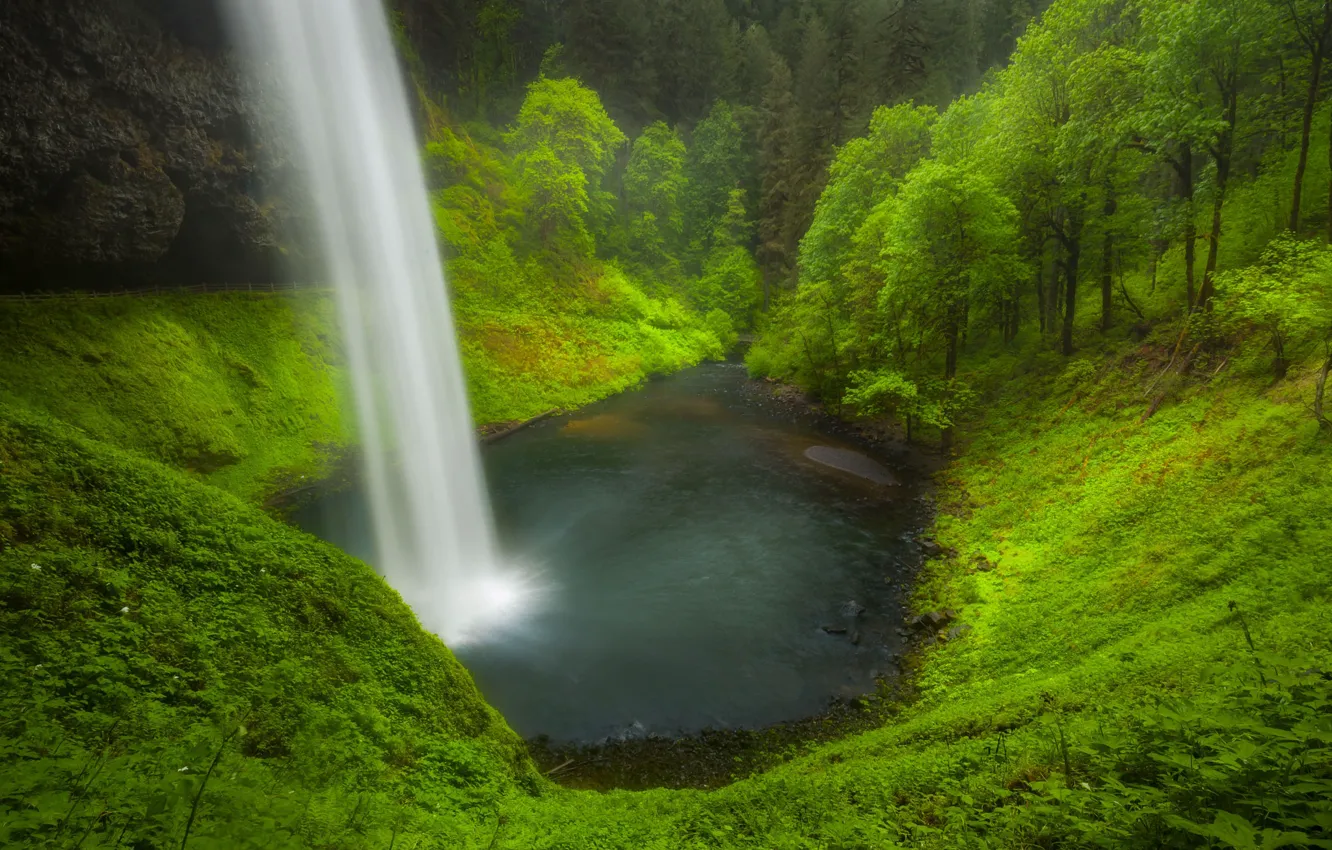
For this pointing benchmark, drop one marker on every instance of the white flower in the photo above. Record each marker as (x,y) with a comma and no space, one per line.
(37,567)
(183,769)
(125,610)
(38,667)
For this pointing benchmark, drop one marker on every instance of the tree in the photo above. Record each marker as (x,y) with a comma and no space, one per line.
(564,142)
(654,181)
(1201,57)
(730,282)
(865,171)
(719,161)
(1312,22)
(777,155)
(1287,294)
(949,242)
(1056,152)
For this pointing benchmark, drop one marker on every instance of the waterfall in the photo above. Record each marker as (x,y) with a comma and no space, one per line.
(344,102)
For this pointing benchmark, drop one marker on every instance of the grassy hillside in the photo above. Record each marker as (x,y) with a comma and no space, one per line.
(1105,693)
(174,660)
(244,390)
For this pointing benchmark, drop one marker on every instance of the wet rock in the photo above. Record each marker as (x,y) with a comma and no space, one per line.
(835,630)
(981,564)
(855,463)
(129,151)
(933,621)
(853,610)
(957,631)
(930,548)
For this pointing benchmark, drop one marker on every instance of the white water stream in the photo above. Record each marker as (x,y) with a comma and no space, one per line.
(344,100)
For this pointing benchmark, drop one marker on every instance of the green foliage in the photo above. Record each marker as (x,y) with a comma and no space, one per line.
(720,160)
(730,282)
(564,143)
(245,390)
(1287,294)
(180,668)
(865,172)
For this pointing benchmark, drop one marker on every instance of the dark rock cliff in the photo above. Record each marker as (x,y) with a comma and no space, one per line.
(129,154)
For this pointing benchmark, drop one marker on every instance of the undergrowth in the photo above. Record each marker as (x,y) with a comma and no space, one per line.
(176,667)
(1147,664)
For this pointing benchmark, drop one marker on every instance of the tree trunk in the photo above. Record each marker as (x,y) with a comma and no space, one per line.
(1190,219)
(1319,386)
(1052,298)
(1040,293)
(1310,101)
(1317,49)
(950,359)
(1070,294)
(1107,268)
(1222,155)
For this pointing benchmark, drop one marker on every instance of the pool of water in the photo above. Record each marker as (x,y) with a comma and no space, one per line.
(692,566)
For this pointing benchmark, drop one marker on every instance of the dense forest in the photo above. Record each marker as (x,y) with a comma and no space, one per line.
(1077,255)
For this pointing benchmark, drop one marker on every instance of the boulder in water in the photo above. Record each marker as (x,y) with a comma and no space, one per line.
(855,463)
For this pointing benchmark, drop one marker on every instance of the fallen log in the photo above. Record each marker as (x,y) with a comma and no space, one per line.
(513,429)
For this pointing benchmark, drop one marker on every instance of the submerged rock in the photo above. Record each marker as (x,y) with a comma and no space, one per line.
(855,463)
(957,632)
(853,610)
(933,621)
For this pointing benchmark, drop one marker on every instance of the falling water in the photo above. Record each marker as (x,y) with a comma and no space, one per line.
(344,99)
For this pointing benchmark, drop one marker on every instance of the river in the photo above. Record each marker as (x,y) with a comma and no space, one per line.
(691,567)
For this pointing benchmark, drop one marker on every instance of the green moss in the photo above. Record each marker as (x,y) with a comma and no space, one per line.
(244,390)
(153,624)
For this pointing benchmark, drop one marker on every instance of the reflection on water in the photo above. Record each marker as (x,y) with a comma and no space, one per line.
(683,558)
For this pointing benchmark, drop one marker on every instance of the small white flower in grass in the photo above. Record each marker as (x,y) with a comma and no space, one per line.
(37,567)
(183,769)
(38,667)
(125,610)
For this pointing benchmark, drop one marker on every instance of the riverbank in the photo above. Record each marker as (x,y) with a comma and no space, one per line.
(718,757)
(248,391)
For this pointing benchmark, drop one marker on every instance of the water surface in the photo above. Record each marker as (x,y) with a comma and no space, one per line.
(687,558)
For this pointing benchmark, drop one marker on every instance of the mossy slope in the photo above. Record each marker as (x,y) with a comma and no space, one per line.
(244,390)
(153,625)
(1106,692)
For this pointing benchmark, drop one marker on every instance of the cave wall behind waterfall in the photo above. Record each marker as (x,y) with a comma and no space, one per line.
(129,151)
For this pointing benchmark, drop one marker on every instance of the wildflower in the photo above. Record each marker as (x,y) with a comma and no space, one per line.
(37,567)
(183,769)
(125,610)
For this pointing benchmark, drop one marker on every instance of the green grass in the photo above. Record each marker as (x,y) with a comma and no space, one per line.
(154,625)
(526,356)
(249,392)
(243,390)
(1105,696)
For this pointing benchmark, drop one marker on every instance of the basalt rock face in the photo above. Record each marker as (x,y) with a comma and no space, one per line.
(129,154)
